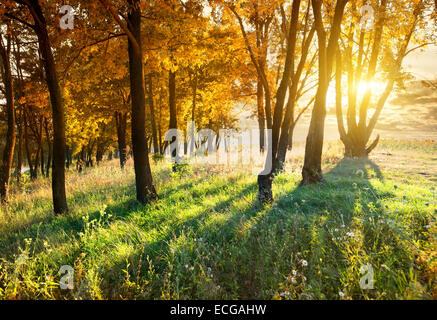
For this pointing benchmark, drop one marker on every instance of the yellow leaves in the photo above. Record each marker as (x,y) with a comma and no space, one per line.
(22,100)
(169,64)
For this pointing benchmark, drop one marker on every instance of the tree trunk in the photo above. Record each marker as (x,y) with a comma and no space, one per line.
(261,115)
(259,86)
(357,136)
(58,174)
(89,153)
(26,141)
(20,148)
(41,146)
(27,146)
(290,137)
(68,155)
(49,148)
(143,175)
(194,98)
(172,104)
(121,121)
(289,121)
(152,116)
(161,146)
(19,161)
(99,152)
(265,194)
(8,153)
(312,170)
(38,151)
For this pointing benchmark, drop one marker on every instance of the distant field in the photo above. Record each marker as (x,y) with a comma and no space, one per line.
(208,237)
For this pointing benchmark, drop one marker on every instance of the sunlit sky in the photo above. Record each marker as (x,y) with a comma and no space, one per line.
(407,115)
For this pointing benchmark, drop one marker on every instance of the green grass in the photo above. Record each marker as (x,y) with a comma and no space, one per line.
(207,237)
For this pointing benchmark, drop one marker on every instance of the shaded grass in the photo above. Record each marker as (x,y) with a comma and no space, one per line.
(208,238)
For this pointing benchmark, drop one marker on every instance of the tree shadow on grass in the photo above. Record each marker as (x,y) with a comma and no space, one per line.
(298,227)
(71,223)
(261,240)
(56,229)
(249,248)
(62,229)
(309,224)
(196,227)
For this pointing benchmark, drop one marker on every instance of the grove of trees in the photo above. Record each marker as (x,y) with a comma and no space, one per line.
(129,70)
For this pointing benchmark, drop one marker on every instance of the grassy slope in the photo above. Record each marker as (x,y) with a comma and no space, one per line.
(207,237)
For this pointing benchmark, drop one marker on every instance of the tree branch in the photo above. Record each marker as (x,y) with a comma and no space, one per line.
(125,28)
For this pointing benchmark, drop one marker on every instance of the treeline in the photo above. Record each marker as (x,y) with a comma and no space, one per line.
(124,72)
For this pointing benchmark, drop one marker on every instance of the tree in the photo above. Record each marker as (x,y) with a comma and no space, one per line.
(8,153)
(39,26)
(312,169)
(156,148)
(143,175)
(292,36)
(379,56)
(261,19)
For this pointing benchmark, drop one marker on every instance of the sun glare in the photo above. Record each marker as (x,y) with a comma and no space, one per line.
(377,88)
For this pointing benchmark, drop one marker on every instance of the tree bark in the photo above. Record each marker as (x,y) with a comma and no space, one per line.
(58,174)
(152,116)
(261,116)
(161,145)
(49,148)
(68,155)
(121,122)
(89,153)
(20,147)
(172,105)
(19,112)
(289,121)
(259,85)
(26,143)
(8,153)
(265,194)
(143,175)
(100,152)
(41,146)
(312,169)
(33,165)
